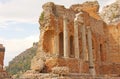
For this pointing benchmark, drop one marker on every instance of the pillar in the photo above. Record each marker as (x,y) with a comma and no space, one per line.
(76,39)
(56,40)
(90,53)
(2,50)
(56,45)
(66,38)
(84,55)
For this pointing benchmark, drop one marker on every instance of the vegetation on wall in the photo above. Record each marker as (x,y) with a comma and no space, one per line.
(42,16)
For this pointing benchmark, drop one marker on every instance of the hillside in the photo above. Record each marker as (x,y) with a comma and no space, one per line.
(22,62)
(111,13)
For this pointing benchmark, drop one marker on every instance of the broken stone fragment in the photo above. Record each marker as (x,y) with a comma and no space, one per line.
(37,64)
(60,70)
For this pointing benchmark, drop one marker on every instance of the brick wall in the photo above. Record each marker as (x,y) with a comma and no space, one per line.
(113,44)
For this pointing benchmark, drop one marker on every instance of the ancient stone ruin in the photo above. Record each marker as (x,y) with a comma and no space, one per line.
(3,73)
(77,38)
(2,50)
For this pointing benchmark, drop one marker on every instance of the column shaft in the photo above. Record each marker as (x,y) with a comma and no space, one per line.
(76,39)
(56,40)
(90,55)
(66,38)
(84,55)
(56,45)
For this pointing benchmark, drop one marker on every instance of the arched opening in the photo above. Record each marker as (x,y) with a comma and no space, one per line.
(72,55)
(101,48)
(61,47)
(101,52)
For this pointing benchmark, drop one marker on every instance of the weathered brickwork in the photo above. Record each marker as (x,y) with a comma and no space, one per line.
(2,50)
(79,28)
(113,43)
(3,73)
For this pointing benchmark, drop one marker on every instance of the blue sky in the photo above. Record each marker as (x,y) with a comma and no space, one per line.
(19,26)
(19,30)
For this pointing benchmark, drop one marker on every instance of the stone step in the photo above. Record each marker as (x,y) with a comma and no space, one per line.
(69,76)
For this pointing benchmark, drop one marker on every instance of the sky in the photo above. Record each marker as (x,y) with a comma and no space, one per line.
(19,26)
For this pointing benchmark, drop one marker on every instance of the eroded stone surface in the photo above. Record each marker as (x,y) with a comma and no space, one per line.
(2,50)
(3,73)
(111,13)
(105,39)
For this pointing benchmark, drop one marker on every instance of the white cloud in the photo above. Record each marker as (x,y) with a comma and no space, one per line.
(18,29)
(6,26)
(3,25)
(16,46)
(20,10)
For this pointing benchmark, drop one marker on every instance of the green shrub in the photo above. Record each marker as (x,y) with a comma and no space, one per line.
(42,16)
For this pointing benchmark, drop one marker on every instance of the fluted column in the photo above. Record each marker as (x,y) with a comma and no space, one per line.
(56,40)
(66,38)
(84,55)
(90,52)
(56,45)
(76,40)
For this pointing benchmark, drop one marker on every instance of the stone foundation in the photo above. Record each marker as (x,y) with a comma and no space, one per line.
(110,69)
(74,65)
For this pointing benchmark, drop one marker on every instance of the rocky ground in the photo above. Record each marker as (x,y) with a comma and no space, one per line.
(4,75)
(36,75)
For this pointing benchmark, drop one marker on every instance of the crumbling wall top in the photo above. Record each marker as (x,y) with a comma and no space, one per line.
(91,7)
(2,48)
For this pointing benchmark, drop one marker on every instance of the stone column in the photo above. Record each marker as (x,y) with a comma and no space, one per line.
(90,54)
(2,50)
(76,39)
(66,38)
(84,55)
(56,40)
(56,45)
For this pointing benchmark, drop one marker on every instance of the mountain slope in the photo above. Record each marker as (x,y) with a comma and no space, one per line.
(22,62)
